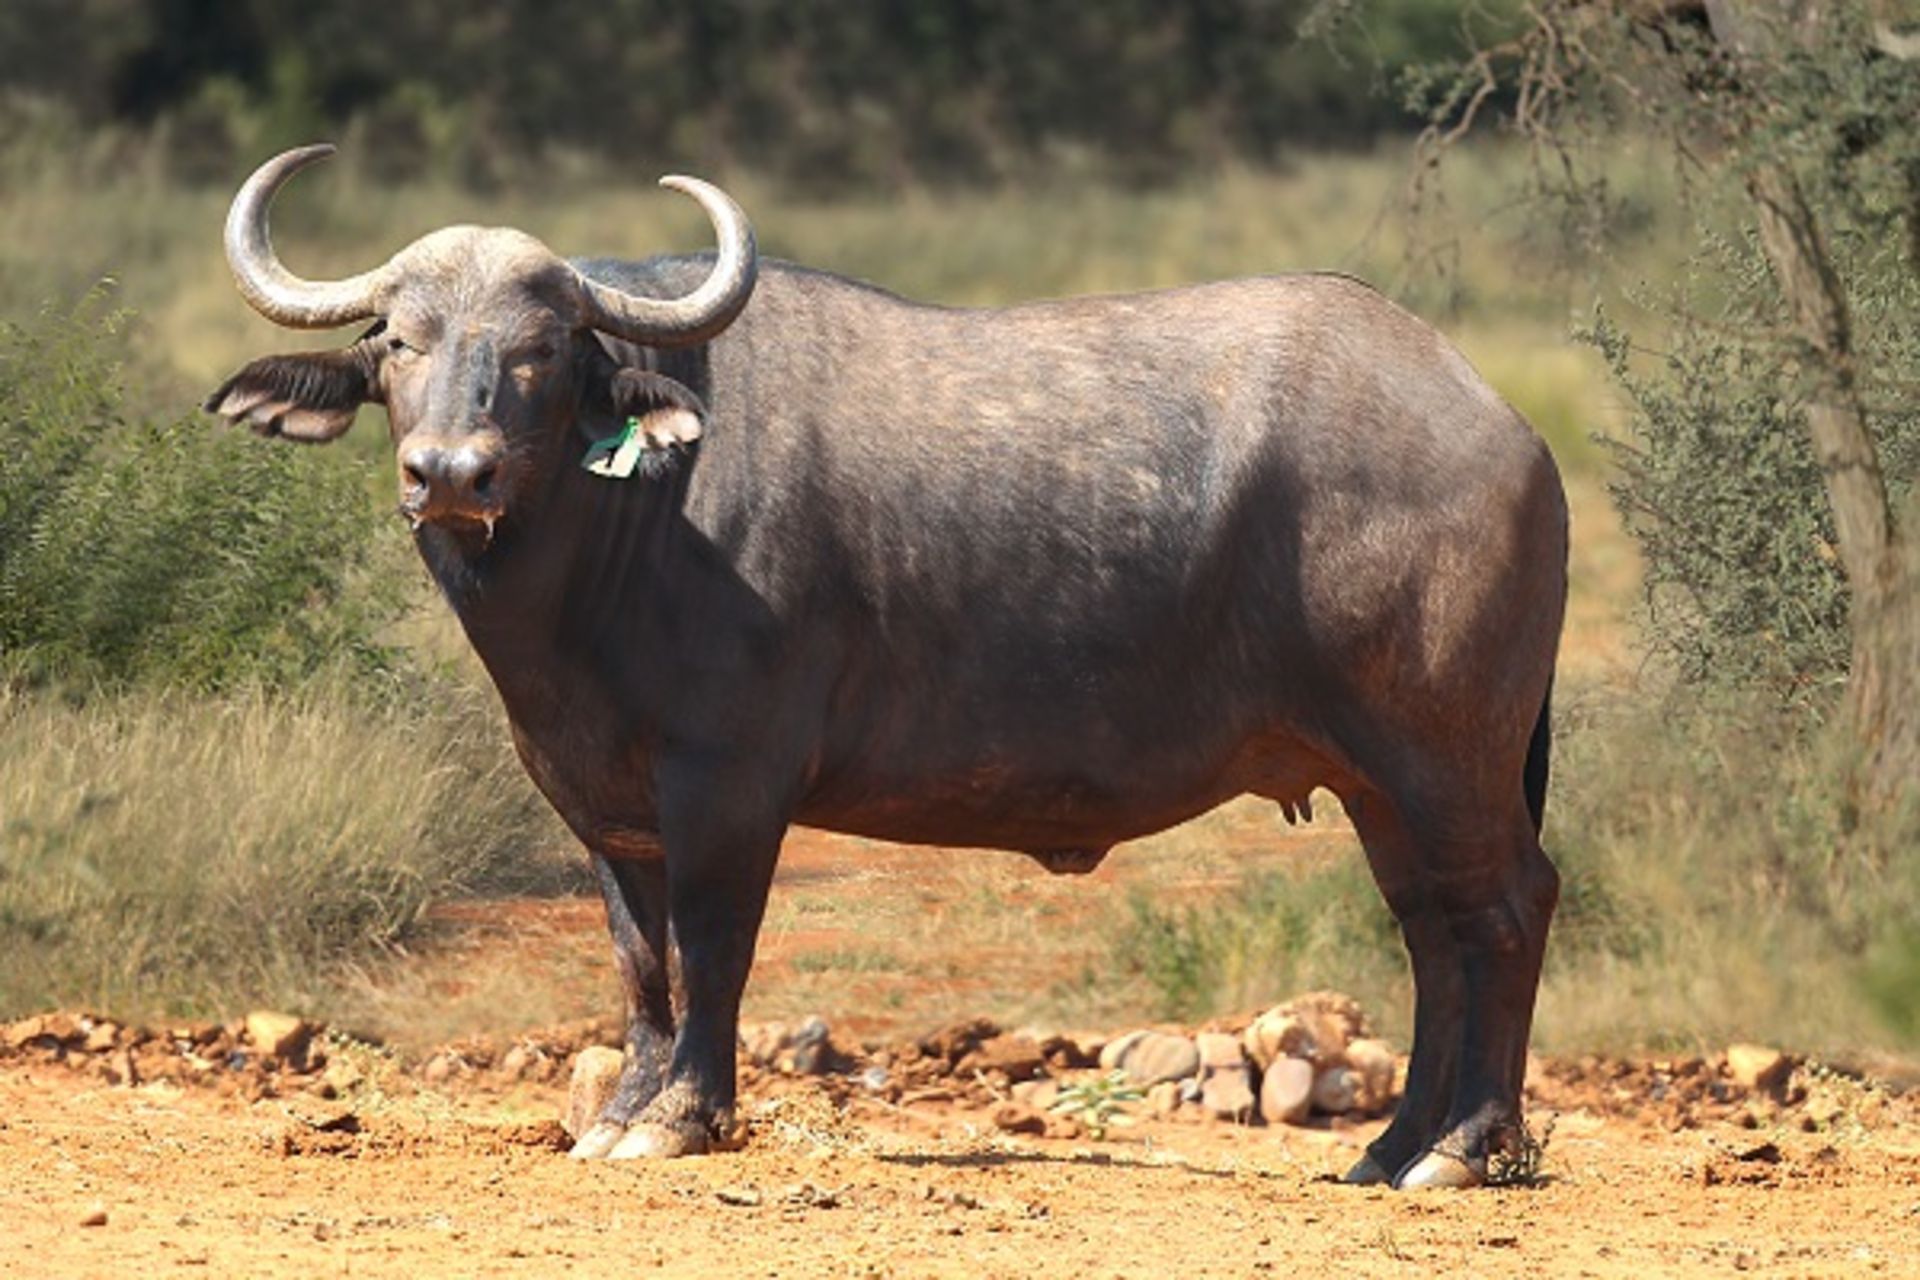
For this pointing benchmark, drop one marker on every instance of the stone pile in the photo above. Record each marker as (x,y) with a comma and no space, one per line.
(1311,1055)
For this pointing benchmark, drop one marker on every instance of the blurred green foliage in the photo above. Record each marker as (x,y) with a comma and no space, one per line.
(1718,481)
(827,92)
(138,550)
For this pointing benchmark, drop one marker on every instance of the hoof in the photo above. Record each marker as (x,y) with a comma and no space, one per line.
(1367,1173)
(1437,1170)
(657,1142)
(597,1141)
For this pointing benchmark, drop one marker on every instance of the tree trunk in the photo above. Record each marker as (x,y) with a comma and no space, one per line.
(1889,767)
(1883,682)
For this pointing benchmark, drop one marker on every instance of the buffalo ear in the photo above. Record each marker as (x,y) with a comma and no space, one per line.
(668,412)
(310,397)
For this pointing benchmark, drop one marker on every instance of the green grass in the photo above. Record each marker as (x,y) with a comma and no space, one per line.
(850,960)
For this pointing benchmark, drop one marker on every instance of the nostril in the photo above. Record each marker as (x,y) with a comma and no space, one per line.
(484,477)
(412,475)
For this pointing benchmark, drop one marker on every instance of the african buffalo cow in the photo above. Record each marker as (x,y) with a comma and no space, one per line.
(1042,578)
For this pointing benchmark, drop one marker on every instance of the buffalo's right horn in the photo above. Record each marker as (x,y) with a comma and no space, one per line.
(270,288)
(700,315)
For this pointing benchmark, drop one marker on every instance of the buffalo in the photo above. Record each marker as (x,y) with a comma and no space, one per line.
(743,544)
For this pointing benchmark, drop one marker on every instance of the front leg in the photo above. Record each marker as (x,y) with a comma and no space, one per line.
(722,829)
(634,886)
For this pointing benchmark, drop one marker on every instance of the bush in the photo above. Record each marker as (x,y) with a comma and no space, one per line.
(172,553)
(1719,485)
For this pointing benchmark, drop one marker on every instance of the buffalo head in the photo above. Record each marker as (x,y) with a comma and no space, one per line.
(486,348)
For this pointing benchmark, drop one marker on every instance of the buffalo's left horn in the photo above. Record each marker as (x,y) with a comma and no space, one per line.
(270,288)
(700,315)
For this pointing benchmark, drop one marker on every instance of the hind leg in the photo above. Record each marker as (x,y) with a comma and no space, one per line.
(1496,891)
(1439,992)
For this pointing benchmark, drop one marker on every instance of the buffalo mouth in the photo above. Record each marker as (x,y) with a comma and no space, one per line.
(477,519)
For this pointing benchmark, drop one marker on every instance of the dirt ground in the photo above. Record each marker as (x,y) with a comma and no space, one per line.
(186,1148)
(1652,1168)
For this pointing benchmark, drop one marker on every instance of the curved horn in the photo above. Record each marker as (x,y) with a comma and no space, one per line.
(701,315)
(270,288)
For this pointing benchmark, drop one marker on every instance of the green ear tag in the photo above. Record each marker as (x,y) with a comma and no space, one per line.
(616,456)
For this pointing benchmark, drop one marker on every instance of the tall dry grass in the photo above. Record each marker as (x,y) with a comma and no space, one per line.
(163,853)
(1709,894)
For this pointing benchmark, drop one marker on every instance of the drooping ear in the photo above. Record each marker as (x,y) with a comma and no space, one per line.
(669,413)
(311,397)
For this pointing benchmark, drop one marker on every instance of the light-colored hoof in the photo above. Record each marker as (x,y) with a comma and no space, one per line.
(1434,1170)
(1367,1173)
(596,1142)
(655,1142)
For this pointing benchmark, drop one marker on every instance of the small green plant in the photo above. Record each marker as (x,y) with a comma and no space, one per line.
(849,960)
(1100,1103)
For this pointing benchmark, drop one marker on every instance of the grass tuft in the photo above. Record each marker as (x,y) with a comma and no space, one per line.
(163,854)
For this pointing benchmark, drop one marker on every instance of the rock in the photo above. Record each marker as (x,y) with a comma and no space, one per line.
(957,1041)
(63,1028)
(343,1075)
(1286,1091)
(1757,1067)
(1113,1050)
(1015,1056)
(1226,1086)
(1374,1061)
(1017,1117)
(95,1216)
(18,1035)
(102,1036)
(516,1062)
(1823,1110)
(765,1043)
(46,1031)
(1336,1090)
(1163,1099)
(1316,1026)
(323,1115)
(1070,1052)
(121,1070)
(1038,1094)
(1278,1034)
(1219,1052)
(813,1051)
(596,1073)
(1160,1055)
(278,1035)
(1228,1094)
(439,1069)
